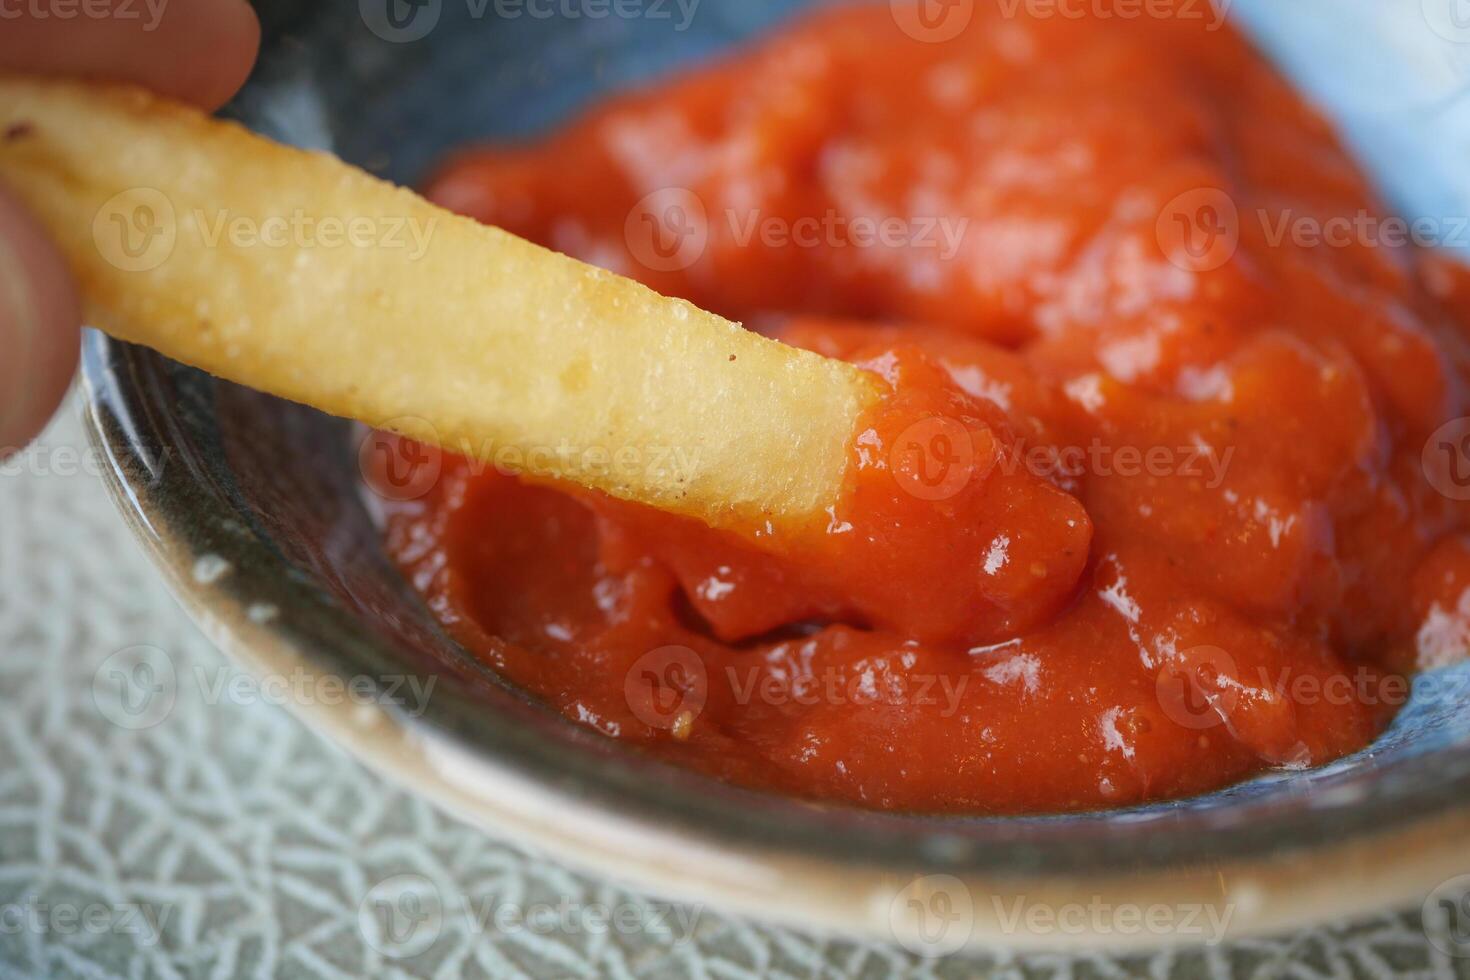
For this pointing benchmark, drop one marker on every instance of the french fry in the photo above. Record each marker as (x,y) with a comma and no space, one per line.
(296,274)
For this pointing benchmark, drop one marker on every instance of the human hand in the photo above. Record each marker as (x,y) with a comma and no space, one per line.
(198,51)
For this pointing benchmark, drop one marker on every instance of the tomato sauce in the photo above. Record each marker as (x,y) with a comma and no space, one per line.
(1160,496)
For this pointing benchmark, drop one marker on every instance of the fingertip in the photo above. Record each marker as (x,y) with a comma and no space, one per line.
(200,51)
(40,326)
(225,53)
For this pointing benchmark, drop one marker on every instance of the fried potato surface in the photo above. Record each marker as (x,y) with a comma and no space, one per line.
(296,274)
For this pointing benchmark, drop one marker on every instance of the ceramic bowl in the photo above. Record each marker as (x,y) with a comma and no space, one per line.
(253,508)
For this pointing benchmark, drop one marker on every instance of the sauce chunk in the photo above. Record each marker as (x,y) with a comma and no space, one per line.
(1152,504)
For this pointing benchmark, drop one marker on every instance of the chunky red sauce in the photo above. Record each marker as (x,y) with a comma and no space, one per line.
(1153,504)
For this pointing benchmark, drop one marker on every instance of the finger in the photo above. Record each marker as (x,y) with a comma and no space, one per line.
(198,51)
(39,326)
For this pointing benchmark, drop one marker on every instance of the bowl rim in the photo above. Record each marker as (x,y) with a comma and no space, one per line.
(1266,870)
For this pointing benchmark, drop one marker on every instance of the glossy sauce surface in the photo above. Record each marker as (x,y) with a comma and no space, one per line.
(1154,503)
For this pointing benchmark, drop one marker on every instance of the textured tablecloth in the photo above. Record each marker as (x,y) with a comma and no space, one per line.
(214,836)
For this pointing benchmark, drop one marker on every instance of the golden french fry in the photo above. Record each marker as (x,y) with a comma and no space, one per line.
(294,273)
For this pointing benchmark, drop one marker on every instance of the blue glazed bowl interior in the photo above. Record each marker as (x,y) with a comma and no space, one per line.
(276,483)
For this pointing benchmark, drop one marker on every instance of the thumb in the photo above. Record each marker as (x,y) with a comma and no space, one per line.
(39,326)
